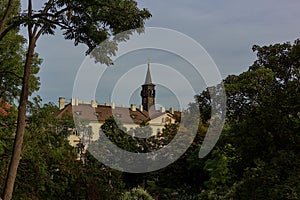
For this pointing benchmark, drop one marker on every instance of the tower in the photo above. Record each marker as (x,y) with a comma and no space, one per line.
(148,91)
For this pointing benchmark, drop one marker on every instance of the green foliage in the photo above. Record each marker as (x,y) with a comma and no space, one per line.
(116,133)
(48,163)
(138,139)
(49,168)
(9,10)
(86,22)
(220,172)
(99,181)
(183,178)
(263,129)
(257,156)
(186,173)
(116,16)
(12,51)
(219,167)
(137,194)
(7,125)
(277,179)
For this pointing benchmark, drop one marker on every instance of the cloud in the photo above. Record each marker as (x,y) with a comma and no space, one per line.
(227,30)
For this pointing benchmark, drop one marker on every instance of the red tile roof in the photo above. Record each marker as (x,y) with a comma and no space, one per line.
(4,107)
(102,113)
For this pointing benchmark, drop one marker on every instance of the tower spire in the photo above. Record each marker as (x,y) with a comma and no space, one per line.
(148,92)
(148,79)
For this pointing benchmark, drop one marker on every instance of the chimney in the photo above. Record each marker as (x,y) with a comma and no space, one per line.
(113,105)
(162,109)
(61,102)
(141,108)
(171,110)
(133,107)
(107,104)
(94,104)
(73,102)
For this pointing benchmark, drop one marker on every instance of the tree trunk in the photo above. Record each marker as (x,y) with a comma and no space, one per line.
(21,124)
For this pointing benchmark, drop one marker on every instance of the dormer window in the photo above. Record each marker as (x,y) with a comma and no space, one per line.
(78,112)
(133,116)
(97,114)
(118,115)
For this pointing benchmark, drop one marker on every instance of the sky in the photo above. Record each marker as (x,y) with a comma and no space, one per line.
(227,30)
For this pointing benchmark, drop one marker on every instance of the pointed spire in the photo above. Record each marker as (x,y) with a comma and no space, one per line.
(148,79)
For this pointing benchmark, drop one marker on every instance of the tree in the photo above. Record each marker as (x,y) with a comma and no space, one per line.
(11,67)
(87,22)
(7,126)
(48,165)
(101,182)
(262,129)
(12,59)
(183,178)
(13,53)
(49,168)
(46,153)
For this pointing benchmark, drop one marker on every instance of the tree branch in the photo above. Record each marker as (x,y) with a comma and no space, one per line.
(29,15)
(44,12)
(6,14)
(11,72)
(8,29)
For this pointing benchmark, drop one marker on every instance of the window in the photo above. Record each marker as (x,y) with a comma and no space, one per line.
(78,112)
(133,116)
(118,115)
(97,114)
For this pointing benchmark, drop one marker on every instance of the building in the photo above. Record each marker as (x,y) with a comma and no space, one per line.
(131,117)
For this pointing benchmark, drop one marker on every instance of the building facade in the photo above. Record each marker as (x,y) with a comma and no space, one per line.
(95,114)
